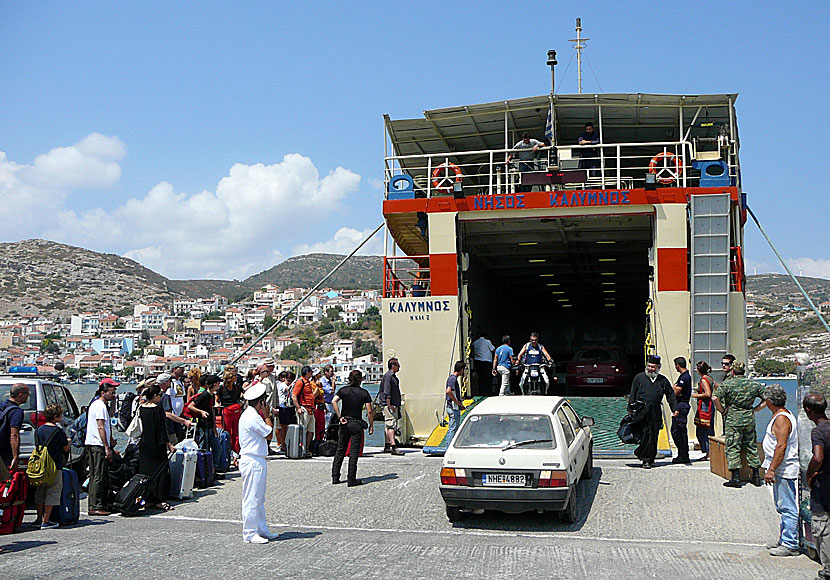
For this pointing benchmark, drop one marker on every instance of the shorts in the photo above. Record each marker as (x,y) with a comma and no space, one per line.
(50,494)
(287,416)
(390,419)
(307,420)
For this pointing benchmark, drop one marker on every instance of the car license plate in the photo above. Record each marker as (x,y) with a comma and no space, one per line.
(504,479)
(595,380)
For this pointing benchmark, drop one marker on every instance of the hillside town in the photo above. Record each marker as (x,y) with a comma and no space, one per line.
(337,327)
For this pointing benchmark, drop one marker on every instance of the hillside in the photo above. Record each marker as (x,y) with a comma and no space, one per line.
(38,277)
(43,278)
(305,271)
(786,324)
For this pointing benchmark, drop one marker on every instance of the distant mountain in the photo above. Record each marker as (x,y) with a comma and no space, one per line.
(43,278)
(306,271)
(38,277)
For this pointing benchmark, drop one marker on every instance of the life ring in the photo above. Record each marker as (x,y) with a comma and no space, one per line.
(442,174)
(665,175)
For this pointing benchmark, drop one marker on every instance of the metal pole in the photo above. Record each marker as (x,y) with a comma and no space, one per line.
(780,259)
(303,299)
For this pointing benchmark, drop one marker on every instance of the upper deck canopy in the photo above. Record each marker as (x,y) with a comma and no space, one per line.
(621,118)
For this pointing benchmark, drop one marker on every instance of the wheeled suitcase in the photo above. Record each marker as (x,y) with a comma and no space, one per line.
(69,509)
(182,474)
(13,494)
(204,469)
(130,498)
(295,442)
(224,462)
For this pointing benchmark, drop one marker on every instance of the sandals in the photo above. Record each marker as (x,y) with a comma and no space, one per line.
(164,506)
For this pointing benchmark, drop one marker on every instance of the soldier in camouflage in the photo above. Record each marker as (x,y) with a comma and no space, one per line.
(734,398)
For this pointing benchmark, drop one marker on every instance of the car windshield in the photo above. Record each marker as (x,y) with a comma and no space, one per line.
(499,431)
(30,403)
(598,354)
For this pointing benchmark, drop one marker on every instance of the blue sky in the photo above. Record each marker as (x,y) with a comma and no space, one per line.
(216,139)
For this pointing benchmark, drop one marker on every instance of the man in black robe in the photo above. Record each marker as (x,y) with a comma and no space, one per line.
(648,389)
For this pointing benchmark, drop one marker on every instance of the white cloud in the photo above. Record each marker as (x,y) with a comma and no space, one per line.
(255,213)
(31,195)
(230,233)
(811,267)
(814,268)
(343,242)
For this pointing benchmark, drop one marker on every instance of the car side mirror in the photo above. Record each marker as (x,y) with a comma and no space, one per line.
(587,421)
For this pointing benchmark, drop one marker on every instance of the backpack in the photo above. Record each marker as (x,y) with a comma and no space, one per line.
(124,409)
(77,432)
(42,469)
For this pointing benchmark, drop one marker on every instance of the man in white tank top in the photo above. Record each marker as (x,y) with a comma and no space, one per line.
(781,465)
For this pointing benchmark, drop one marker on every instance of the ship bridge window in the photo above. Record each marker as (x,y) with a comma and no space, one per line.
(580,282)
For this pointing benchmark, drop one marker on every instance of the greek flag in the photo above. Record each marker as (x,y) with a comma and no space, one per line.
(549,126)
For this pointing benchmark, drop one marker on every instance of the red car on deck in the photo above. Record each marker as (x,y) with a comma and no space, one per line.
(599,368)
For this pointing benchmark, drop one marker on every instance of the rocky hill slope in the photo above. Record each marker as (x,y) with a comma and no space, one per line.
(39,277)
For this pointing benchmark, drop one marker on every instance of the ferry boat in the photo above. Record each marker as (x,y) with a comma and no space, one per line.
(635,242)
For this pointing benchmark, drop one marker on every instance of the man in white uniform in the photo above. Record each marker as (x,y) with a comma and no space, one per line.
(255,432)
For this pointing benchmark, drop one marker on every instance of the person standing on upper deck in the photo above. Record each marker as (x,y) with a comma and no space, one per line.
(527,152)
(589,158)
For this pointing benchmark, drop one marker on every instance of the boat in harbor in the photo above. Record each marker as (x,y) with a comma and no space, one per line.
(635,242)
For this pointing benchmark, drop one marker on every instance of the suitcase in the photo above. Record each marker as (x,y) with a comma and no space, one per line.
(13,494)
(182,474)
(69,509)
(295,442)
(224,451)
(204,469)
(130,498)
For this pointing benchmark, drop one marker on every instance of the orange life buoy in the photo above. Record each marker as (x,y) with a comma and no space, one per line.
(665,175)
(442,174)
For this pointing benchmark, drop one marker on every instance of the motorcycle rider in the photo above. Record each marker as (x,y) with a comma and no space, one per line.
(534,353)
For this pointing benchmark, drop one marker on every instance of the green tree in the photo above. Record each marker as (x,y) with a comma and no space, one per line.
(129,372)
(49,345)
(294,351)
(325,327)
(268,321)
(333,314)
(364,347)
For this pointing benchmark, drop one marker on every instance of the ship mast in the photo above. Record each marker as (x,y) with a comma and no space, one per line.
(579,46)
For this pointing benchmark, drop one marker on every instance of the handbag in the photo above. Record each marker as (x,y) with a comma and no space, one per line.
(41,469)
(135,428)
(703,415)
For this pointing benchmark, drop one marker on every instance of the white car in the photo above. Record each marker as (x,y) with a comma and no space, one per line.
(517,454)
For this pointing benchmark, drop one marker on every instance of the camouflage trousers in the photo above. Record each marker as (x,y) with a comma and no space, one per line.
(740,438)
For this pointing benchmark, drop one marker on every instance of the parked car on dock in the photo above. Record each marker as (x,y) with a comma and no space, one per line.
(599,368)
(44,390)
(517,454)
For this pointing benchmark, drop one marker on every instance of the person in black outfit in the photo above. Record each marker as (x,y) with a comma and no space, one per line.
(202,407)
(589,158)
(153,448)
(679,422)
(354,397)
(646,403)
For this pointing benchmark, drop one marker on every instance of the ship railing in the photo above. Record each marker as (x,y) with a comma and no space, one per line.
(405,276)
(488,171)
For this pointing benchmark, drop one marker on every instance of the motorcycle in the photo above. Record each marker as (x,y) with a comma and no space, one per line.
(535,384)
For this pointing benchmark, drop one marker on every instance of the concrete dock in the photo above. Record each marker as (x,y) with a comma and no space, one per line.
(669,522)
